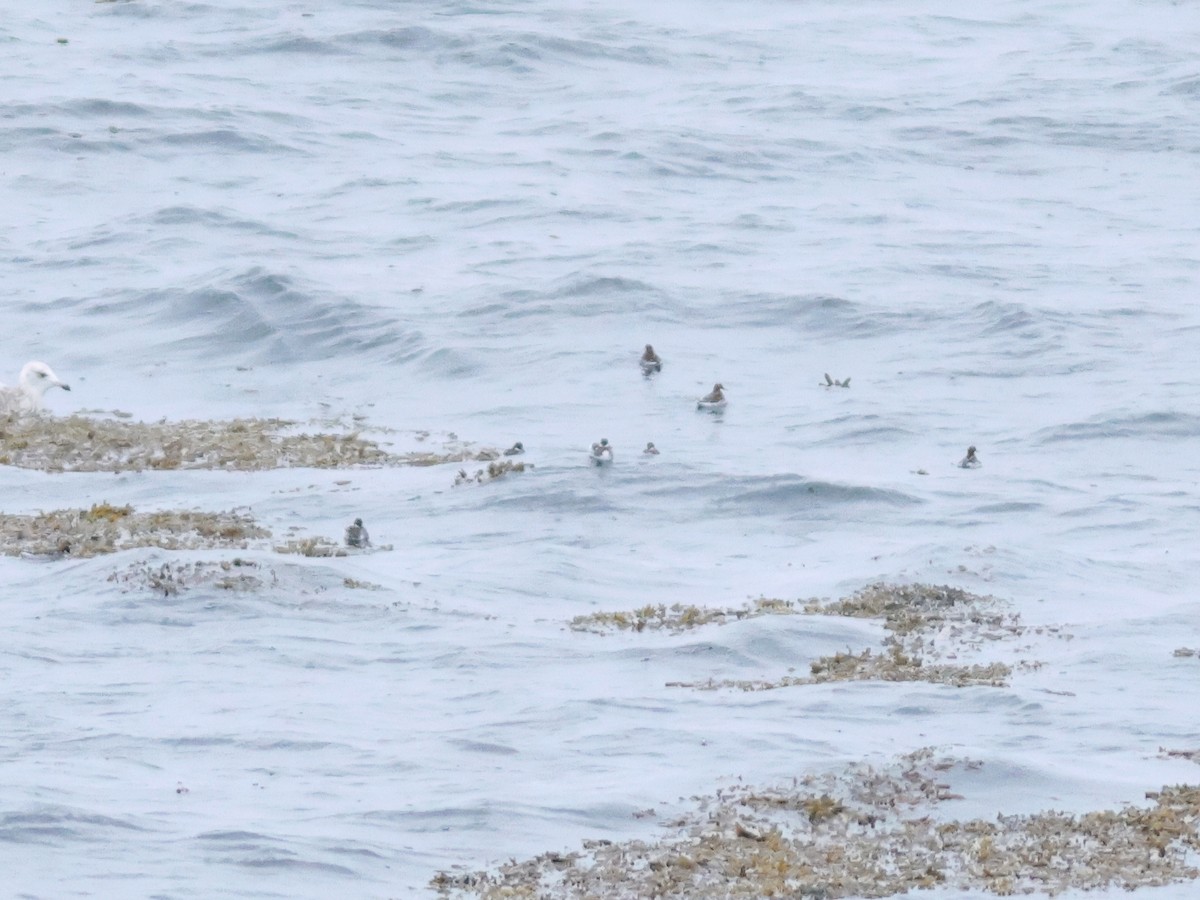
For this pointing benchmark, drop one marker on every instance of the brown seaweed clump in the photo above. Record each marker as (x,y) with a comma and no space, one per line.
(238,575)
(1193,755)
(108,529)
(494,470)
(322,547)
(175,576)
(82,444)
(862,832)
(929,629)
(313,546)
(921,608)
(891,665)
(678,616)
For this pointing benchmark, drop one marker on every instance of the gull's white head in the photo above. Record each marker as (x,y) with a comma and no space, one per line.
(36,379)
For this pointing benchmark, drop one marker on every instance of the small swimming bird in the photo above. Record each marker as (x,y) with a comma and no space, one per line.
(36,378)
(970,461)
(602,452)
(715,399)
(650,361)
(650,450)
(356,535)
(833,382)
(515,450)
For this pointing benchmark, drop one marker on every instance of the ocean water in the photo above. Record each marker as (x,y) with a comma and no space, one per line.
(469,218)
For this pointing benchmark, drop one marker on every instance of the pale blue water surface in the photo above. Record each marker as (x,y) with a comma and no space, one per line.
(469,218)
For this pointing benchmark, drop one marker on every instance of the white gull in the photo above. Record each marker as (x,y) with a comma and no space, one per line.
(36,378)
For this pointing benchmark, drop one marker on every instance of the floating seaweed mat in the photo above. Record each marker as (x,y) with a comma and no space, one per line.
(678,617)
(108,529)
(323,547)
(493,471)
(82,444)
(867,831)
(176,577)
(925,624)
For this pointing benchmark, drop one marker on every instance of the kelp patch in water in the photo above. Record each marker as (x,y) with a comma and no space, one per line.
(107,529)
(174,576)
(867,831)
(82,444)
(315,547)
(929,627)
(494,470)
(891,665)
(240,575)
(678,617)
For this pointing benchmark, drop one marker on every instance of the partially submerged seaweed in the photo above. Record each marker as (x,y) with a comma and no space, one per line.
(864,832)
(678,616)
(82,444)
(323,547)
(926,624)
(174,576)
(313,546)
(914,608)
(891,665)
(494,470)
(1192,755)
(107,529)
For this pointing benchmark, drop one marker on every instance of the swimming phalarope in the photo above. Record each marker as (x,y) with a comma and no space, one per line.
(650,361)
(356,535)
(602,452)
(715,399)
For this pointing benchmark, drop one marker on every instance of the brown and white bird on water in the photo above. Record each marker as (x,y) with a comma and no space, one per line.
(714,399)
(36,378)
(970,461)
(650,361)
(602,452)
(356,535)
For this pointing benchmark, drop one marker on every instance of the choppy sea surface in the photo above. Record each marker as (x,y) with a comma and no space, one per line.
(469,218)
